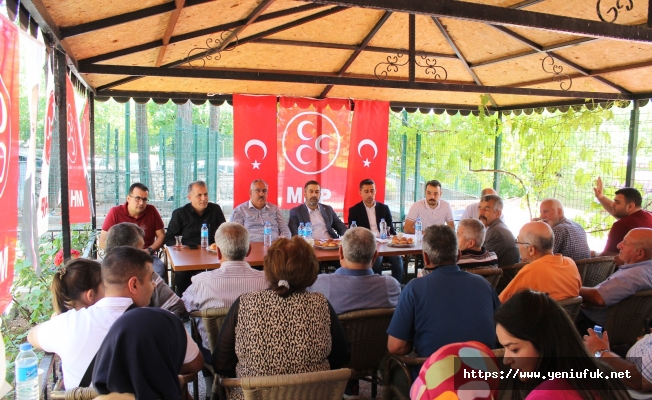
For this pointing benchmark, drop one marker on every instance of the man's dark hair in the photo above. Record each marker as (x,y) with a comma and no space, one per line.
(631,195)
(123,234)
(310,183)
(139,186)
(440,244)
(366,182)
(124,262)
(433,183)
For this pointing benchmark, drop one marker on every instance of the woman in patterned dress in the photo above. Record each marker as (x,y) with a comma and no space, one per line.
(283,329)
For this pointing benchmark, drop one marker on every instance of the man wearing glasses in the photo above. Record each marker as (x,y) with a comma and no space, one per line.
(137,211)
(254,213)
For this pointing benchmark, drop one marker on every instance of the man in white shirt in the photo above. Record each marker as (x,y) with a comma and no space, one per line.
(76,335)
(432,210)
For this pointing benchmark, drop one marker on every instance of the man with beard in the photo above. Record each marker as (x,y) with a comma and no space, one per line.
(254,213)
(498,238)
(325,223)
(432,210)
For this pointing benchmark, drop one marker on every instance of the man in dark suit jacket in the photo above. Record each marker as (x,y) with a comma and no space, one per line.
(325,224)
(361,212)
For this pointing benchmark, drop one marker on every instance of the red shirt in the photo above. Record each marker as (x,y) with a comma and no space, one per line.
(150,220)
(620,228)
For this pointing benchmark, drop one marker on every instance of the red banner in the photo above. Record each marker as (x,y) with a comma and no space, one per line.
(254,145)
(313,138)
(368,153)
(9,171)
(77,186)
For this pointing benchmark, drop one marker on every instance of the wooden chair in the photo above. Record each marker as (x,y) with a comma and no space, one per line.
(572,306)
(492,275)
(595,270)
(629,318)
(78,393)
(366,331)
(322,385)
(213,318)
(509,272)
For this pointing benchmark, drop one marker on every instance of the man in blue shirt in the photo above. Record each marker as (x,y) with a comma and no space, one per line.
(446,306)
(355,286)
(254,213)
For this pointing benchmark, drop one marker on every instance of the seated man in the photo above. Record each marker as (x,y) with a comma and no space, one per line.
(220,287)
(355,286)
(471,210)
(445,306)
(254,213)
(76,336)
(549,273)
(635,275)
(570,237)
(498,237)
(432,210)
(470,238)
(128,234)
(325,223)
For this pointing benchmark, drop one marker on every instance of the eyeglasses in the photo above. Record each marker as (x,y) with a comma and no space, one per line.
(517,242)
(139,199)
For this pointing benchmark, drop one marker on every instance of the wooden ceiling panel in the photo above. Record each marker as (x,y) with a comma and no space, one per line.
(543,38)
(585,9)
(401,95)
(429,37)
(497,3)
(75,12)
(345,27)
(479,42)
(145,58)
(184,85)
(522,69)
(605,53)
(118,37)
(96,80)
(582,83)
(635,80)
(394,33)
(508,99)
(213,13)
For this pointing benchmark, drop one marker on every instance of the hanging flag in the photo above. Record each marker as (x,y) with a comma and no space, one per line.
(313,137)
(84,130)
(9,171)
(368,152)
(77,186)
(43,206)
(254,145)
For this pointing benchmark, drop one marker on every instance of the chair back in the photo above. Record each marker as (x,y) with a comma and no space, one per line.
(213,318)
(322,385)
(595,270)
(509,272)
(492,275)
(78,393)
(629,318)
(366,331)
(572,306)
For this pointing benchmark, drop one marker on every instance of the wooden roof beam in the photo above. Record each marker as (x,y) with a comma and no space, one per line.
(251,18)
(505,16)
(172,23)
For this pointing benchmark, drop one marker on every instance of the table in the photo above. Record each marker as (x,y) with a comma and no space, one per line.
(200,259)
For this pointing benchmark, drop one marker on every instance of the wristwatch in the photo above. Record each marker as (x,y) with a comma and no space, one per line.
(151,251)
(599,353)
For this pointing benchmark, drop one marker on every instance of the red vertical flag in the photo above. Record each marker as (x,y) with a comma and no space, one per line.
(368,151)
(254,145)
(9,171)
(77,186)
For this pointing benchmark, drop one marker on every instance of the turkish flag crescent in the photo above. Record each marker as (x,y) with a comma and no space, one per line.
(77,186)
(9,171)
(368,151)
(254,145)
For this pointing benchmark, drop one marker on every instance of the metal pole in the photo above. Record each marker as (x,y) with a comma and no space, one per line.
(195,140)
(218,155)
(412,24)
(403,167)
(127,144)
(63,152)
(91,117)
(417,167)
(178,163)
(498,154)
(108,146)
(117,167)
(630,178)
(163,163)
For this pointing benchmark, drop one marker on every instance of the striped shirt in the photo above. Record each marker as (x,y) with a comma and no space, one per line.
(253,219)
(475,259)
(220,288)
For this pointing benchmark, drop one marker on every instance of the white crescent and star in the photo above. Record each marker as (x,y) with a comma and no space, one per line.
(367,142)
(300,130)
(259,143)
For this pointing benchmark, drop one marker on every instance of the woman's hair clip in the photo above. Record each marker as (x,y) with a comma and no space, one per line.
(62,271)
(285,283)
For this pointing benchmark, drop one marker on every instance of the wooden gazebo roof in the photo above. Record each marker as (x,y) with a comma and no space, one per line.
(441,54)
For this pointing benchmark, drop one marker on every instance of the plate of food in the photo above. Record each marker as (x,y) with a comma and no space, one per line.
(212,248)
(403,242)
(330,244)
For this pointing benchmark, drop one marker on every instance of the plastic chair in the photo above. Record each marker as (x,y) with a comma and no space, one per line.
(572,306)
(492,275)
(509,272)
(595,270)
(366,331)
(629,318)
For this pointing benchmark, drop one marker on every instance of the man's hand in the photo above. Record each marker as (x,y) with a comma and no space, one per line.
(598,189)
(593,343)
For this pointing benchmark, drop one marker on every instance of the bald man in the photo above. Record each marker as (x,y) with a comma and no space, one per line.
(546,272)
(635,275)
(472,210)
(570,237)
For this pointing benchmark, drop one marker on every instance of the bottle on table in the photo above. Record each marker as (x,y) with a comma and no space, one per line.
(26,374)
(353,225)
(204,236)
(307,231)
(418,230)
(383,228)
(267,234)
(302,230)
